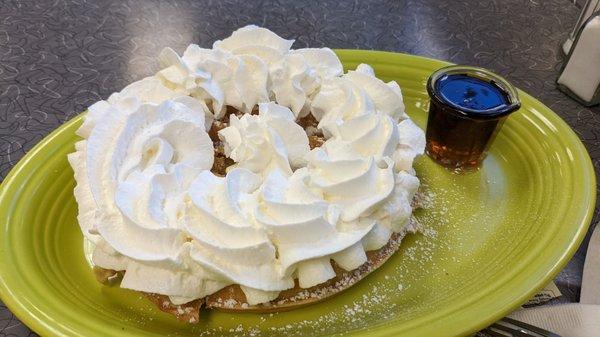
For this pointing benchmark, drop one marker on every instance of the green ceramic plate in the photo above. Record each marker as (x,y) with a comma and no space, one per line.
(492,239)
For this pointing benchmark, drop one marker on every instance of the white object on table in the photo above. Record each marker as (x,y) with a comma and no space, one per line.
(590,7)
(580,76)
(577,319)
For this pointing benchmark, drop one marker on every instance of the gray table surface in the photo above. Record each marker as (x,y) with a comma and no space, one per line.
(58,57)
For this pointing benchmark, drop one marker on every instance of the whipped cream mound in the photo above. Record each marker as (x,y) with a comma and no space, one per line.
(151,205)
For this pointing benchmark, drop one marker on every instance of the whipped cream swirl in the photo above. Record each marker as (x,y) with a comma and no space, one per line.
(297,76)
(267,140)
(132,173)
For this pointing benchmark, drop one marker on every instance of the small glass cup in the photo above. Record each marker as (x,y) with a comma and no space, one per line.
(467,109)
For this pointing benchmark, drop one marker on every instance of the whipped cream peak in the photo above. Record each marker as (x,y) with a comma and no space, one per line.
(153,198)
(297,76)
(147,90)
(254,36)
(265,141)
(293,80)
(337,101)
(217,76)
(373,134)
(294,189)
(181,70)
(358,185)
(386,96)
(323,60)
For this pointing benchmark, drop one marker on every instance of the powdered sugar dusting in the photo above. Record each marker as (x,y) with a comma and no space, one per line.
(355,315)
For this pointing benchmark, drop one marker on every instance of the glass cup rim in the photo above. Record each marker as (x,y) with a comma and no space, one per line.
(483,74)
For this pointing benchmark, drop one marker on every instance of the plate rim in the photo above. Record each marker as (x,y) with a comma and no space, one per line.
(587,171)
